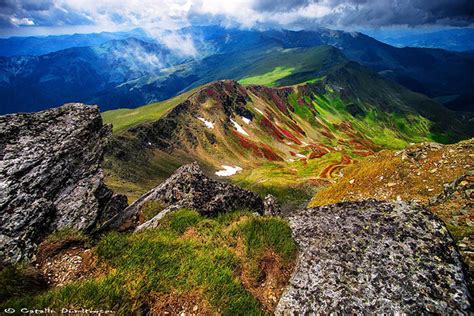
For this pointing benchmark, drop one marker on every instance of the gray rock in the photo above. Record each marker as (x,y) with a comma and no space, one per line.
(418,152)
(189,188)
(374,258)
(463,186)
(50,176)
(271,206)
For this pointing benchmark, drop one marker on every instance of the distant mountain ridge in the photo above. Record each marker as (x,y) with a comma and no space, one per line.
(80,73)
(461,40)
(41,45)
(96,75)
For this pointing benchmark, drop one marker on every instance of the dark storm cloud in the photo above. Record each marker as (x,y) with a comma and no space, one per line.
(7,8)
(279,5)
(412,13)
(381,12)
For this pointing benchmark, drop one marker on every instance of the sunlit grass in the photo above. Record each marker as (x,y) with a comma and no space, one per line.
(122,119)
(269,78)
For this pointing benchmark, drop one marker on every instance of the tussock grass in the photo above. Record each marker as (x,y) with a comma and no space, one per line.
(186,253)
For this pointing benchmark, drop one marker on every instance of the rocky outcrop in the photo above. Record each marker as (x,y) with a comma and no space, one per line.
(189,188)
(374,258)
(456,203)
(50,176)
(461,188)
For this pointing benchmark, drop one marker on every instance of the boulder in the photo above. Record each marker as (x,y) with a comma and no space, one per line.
(189,188)
(50,176)
(374,257)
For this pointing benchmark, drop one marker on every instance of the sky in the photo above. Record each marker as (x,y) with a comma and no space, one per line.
(44,17)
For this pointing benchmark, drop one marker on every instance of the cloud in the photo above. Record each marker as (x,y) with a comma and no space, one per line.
(21,22)
(182,44)
(340,13)
(138,58)
(403,13)
(173,14)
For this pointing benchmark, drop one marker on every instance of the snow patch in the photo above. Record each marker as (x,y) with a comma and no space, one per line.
(206,122)
(228,171)
(259,111)
(246,120)
(239,128)
(300,156)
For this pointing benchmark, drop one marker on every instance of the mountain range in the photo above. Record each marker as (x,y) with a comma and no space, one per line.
(41,45)
(188,192)
(128,72)
(457,39)
(278,140)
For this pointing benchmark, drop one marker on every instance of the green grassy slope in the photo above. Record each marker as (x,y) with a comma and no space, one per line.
(219,260)
(283,67)
(306,63)
(288,140)
(122,119)
(269,78)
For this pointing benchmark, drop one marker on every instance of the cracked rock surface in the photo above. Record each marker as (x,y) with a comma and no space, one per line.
(374,257)
(50,176)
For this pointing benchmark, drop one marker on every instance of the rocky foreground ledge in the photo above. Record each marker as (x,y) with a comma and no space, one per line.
(50,176)
(374,258)
(190,188)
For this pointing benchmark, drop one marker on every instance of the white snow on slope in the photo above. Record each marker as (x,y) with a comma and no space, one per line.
(300,155)
(228,171)
(208,124)
(239,128)
(246,120)
(259,111)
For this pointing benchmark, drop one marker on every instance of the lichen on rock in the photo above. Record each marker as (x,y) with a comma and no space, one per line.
(50,176)
(374,257)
